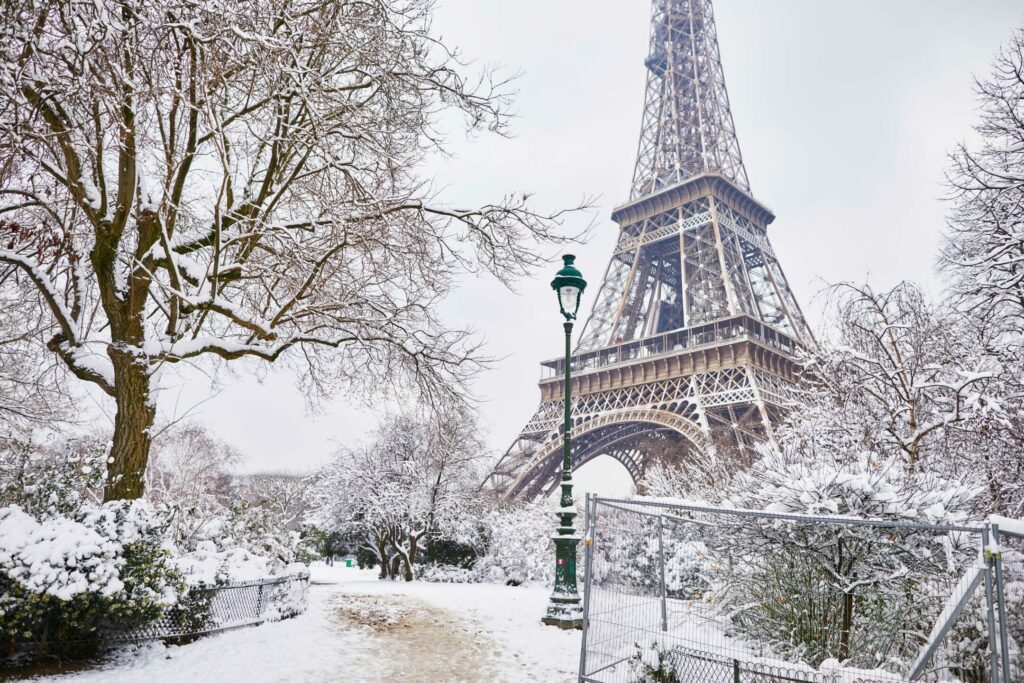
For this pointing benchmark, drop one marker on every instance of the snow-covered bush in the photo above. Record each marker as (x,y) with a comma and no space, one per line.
(289,598)
(449,552)
(858,594)
(65,579)
(446,573)
(210,565)
(256,529)
(71,569)
(518,546)
(53,478)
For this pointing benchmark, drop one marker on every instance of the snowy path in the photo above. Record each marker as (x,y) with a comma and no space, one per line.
(360,629)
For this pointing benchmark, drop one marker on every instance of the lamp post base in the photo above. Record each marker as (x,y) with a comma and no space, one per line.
(564,611)
(565,608)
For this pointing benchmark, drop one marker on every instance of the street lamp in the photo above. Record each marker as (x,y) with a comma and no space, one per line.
(564,609)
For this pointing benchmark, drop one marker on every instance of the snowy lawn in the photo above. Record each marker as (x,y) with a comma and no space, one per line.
(360,629)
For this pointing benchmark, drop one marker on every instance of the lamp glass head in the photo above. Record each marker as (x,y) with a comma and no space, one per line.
(569,299)
(569,285)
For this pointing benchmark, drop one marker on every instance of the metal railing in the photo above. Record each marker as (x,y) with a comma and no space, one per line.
(737,328)
(684,592)
(209,609)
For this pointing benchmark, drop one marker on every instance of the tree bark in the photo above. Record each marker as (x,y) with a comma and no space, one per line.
(382,555)
(410,558)
(393,566)
(129,452)
(847,626)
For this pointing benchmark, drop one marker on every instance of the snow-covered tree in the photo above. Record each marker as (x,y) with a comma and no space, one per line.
(33,387)
(282,496)
(415,478)
(855,593)
(185,180)
(983,251)
(896,370)
(191,471)
(517,544)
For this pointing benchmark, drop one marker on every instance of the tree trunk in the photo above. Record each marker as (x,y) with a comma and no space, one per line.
(382,556)
(129,452)
(393,568)
(844,634)
(410,558)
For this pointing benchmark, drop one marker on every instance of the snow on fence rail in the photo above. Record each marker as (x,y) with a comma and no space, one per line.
(218,608)
(675,591)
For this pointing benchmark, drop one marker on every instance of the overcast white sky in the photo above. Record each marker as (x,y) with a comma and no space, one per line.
(844,111)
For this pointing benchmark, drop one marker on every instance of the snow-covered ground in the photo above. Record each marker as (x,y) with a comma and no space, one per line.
(360,629)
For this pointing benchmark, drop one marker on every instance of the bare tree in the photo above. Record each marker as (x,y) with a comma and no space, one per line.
(190,179)
(983,250)
(191,470)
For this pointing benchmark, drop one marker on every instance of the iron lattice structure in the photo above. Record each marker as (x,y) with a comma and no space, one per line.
(693,339)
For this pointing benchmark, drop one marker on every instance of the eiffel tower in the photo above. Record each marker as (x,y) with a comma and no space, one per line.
(692,342)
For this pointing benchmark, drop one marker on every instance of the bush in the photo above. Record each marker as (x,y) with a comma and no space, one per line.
(446,573)
(254,528)
(448,552)
(64,582)
(518,545)
(56,479)
(658,665)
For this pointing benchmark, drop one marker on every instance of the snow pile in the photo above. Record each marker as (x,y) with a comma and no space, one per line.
(58,556)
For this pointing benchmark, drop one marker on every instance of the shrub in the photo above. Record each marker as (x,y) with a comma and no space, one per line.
(857,594)
(518,544)
(658,665)
(448,552)
(446,573)
(64,582)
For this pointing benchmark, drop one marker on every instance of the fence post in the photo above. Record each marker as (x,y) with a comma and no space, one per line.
(586,515)
(735,671)
(997,557)
(259,602)
(661,561)
(993,657)
(589,519)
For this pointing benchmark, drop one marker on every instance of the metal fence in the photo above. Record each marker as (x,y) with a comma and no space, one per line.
(207,610)
(678,592)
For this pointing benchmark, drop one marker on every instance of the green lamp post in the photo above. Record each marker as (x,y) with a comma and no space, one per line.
(564,608)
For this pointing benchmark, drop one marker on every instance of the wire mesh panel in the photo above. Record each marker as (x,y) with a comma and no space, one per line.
(1009,544)
(679,592)
(216,608)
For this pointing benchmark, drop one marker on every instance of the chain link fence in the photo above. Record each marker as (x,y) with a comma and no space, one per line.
(678,592)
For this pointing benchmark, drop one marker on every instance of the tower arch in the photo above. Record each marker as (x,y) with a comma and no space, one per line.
(635,438)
